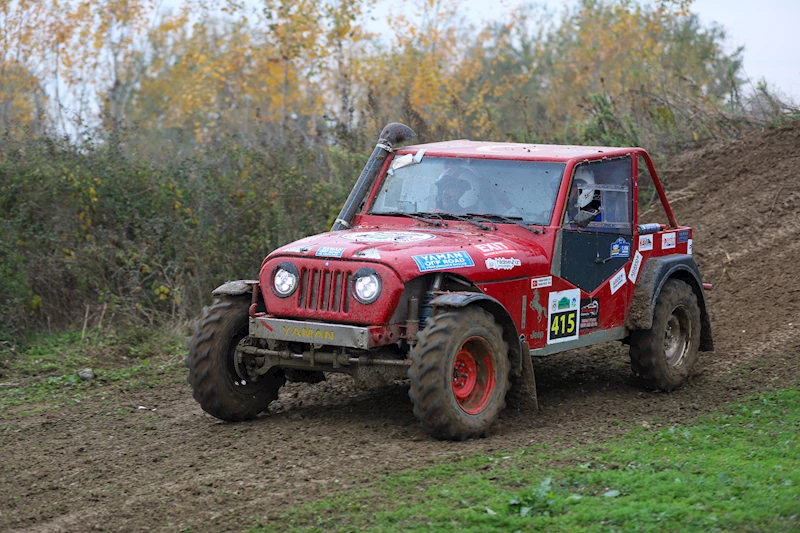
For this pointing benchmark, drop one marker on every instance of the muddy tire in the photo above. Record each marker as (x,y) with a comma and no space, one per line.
(459,373)
(212,373)
(663,356)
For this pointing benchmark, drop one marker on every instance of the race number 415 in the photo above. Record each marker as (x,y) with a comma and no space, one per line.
(563,324)
(563,315)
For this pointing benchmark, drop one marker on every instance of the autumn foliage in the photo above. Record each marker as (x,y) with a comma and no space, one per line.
(148,155)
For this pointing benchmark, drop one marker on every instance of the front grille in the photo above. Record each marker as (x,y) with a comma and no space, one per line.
(324,290)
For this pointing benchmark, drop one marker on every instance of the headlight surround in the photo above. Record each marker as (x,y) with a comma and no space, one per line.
(367,285)
(285,279)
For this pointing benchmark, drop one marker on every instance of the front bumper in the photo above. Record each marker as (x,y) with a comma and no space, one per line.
(280,329)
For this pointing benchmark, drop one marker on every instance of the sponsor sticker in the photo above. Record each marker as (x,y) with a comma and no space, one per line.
(689,247)
(620,248)
(618,281)
(668,241)
(370,253)
(443,261)
(494,248)
(563,320)
(645,243)
(386,236)
(590,313)
(635,266)
(683,235)
(299,249)
(502,263)
(328,251)
(538,283)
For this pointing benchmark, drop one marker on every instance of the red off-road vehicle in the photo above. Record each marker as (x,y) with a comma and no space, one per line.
(453,264)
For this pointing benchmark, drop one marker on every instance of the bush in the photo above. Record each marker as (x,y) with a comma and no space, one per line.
(93,232)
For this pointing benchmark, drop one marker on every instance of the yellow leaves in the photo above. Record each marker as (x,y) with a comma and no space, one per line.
(35,304)
(162,292)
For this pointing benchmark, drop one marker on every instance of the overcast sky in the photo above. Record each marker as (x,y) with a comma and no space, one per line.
(768,29)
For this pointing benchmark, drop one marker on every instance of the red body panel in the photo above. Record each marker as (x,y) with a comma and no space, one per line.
(512,265)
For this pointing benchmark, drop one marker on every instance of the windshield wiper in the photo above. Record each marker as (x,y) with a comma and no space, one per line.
(462,219)
(511,220)
(415,216)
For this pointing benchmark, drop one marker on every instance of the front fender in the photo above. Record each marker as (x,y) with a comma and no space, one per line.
(235,288)
(656,271)
(510,333)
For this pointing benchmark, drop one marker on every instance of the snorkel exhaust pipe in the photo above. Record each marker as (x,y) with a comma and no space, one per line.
(392,135)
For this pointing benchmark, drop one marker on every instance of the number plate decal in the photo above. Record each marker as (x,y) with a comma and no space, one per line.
(563,322)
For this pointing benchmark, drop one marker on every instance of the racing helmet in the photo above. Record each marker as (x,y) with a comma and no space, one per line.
(461,180)
(584,181)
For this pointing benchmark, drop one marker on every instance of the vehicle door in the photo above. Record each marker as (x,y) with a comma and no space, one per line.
(593,256)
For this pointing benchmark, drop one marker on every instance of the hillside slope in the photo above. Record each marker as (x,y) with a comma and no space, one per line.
(743,199)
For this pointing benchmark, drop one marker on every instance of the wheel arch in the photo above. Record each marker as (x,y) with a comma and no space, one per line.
(238,287)
(655,273)
(497,310)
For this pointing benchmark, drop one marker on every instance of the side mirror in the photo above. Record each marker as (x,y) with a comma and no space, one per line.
(583,218)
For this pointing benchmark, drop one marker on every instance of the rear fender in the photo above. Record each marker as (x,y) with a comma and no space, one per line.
(655,273)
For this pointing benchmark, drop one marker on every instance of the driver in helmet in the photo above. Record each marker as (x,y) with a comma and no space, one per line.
(454,193)
(583,199)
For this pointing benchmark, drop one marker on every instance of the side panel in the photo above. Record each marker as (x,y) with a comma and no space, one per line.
(587,257)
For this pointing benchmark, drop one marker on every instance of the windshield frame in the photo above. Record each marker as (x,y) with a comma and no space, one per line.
(556,184)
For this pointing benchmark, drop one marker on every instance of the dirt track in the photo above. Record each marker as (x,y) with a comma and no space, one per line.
(106,465)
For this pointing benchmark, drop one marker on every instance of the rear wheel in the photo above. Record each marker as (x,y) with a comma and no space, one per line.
(212,367)
(459,373)
(663,356)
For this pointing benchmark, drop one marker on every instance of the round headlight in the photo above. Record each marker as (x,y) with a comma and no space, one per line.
(284,281)
(367,285)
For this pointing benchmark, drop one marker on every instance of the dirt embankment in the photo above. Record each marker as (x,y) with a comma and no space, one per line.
(107,465)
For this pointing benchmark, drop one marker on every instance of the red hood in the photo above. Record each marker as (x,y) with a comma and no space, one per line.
(510,251)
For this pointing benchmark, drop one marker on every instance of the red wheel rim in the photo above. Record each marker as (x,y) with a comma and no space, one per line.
(473,375)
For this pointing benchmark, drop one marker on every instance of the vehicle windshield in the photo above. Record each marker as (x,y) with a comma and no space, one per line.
(523,190)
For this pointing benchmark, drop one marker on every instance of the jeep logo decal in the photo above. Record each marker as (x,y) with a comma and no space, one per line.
(307,333)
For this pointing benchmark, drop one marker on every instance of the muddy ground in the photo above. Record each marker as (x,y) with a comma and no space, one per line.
(107,465)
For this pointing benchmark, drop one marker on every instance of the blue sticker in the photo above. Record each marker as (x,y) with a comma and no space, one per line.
(327,251)
(683,235)
(620,248)
(443,261)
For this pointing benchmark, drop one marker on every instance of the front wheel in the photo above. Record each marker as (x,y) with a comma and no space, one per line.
(663,356)
(212,368)
(459,373)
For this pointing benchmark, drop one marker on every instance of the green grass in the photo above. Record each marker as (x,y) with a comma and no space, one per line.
(42,374)
(735,471)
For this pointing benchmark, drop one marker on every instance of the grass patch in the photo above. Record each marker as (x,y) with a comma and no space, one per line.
(734,471)
(42,374)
